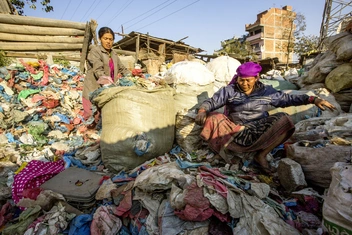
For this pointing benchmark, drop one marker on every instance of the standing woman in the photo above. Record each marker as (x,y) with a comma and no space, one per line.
(102,61)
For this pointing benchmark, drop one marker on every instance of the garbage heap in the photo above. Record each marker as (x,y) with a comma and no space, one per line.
(145,169)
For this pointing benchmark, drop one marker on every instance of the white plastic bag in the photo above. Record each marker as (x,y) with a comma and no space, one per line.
(337,207)
(189,72)
(224,68)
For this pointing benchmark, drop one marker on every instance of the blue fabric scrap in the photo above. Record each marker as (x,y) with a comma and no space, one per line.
(80,225)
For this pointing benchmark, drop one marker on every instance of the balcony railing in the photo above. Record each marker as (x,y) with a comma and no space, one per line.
(256,36)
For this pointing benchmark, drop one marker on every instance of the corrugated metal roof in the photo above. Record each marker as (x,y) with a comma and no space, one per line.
(128,43)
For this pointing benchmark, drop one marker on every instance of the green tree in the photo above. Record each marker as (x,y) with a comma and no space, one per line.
(19,5)
(237,47)
(306,44)
(294,27)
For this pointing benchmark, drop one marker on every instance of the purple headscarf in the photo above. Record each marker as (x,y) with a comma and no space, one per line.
(248,69)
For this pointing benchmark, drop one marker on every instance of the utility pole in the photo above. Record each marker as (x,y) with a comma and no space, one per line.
(335,13)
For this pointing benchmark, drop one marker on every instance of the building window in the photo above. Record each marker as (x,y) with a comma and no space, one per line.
(258,31)
(256,47)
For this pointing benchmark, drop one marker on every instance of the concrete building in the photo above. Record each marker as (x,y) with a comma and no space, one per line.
(271,34)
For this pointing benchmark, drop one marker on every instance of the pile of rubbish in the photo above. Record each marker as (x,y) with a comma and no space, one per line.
(144,170)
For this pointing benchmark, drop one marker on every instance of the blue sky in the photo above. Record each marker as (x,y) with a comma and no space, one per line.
(205,22)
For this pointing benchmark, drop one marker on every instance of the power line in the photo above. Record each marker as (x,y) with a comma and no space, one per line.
(69,3)
(74,12)
(151,14)
(105,10)
(121,11)
(145,12)
(88,10)
(167,15)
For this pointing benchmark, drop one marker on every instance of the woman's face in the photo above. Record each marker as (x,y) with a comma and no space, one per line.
(247,84)
(107,40)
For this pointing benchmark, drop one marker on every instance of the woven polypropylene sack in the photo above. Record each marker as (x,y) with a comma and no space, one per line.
(137,125)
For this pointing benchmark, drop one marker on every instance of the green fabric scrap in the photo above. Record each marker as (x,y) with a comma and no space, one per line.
(37,133)
(25,219)
(25,93)
(19,66)
(37,76)
(8,76)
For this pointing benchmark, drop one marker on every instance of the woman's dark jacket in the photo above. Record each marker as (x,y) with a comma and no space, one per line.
(242,108)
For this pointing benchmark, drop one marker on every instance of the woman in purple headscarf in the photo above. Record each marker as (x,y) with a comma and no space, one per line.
(246,126)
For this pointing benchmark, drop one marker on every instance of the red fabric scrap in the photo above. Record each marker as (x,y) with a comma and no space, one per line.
(105,177)
(51,103)
(31,193)
(37,97)
(45,68)
(214,171)
(125,204)
(137,72)
(11,81)
(197,206)
(77,121)
(5,213)
(29,68)
(222,217)
(209,179)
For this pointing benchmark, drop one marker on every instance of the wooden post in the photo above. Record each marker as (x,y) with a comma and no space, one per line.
(148,44)
(86,42)
(162,49)
(93,29)
(137,47)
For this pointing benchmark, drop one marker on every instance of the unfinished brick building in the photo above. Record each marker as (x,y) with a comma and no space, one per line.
(270,35)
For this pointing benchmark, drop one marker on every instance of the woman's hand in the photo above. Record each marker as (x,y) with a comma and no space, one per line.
(201,117)
(321,103)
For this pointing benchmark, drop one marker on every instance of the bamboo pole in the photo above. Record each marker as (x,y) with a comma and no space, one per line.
(36,30)
(37,38)
(36,21)
(18,46)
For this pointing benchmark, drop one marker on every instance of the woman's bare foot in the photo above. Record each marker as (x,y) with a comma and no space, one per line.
(265,167)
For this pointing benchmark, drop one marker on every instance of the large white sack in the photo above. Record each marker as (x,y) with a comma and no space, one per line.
(302,112)
(340,78)
(187,131)
(224,68)
(189,72)
(341,45)
(337,210)
(323,127)
(317,159)
(190,97)
(324,64)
